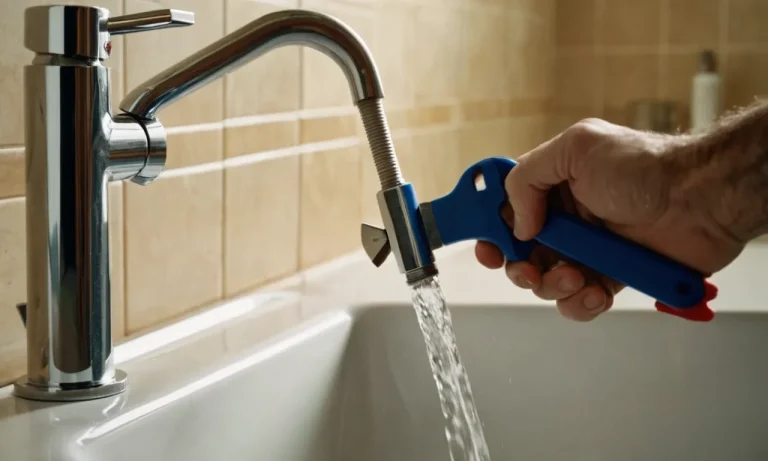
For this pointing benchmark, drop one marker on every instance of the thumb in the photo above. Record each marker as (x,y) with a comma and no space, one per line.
(528,183)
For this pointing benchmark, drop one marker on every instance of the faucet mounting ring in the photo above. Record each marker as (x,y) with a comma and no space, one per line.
(23,388)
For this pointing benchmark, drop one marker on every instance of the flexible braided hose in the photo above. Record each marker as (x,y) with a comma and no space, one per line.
(380,140)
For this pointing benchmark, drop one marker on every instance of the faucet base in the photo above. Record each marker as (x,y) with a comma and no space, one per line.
(24,389)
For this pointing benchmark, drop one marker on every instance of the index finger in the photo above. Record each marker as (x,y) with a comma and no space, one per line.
(527,185)
(549,164)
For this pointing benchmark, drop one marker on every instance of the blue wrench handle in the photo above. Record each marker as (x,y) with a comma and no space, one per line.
(472,212)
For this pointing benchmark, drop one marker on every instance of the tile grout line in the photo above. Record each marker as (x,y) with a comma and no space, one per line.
(337,143)
(194,128)
(304,114)
(308,148)
(746,48)
(333,111)
(223,146)
(12,150)
(14,199)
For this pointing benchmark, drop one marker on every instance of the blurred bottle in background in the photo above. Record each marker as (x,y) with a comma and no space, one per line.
(705,93)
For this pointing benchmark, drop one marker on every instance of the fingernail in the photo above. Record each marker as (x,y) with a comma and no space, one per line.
(567,284)
(529,283)
(524,281)
(594,301)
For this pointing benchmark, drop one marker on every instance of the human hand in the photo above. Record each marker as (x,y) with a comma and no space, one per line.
(633,183)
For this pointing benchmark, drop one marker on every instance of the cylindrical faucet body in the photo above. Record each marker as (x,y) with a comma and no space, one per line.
(73,148)
(67,155)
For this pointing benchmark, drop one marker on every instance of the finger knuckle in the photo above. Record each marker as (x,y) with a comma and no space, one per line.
(583,135)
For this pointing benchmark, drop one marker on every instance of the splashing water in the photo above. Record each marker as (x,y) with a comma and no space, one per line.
(463,429)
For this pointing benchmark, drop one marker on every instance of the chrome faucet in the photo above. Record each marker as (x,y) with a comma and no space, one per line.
(75,146)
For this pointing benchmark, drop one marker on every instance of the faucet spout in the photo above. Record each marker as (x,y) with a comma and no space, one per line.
(397,200)
(289,27)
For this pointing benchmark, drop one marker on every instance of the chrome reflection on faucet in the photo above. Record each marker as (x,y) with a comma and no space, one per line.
(75,146)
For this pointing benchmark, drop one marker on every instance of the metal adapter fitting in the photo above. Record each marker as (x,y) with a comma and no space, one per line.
(403,234)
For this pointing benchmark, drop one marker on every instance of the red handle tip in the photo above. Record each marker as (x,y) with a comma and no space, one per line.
(700,312)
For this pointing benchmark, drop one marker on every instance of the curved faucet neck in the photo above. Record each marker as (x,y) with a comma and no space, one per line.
(290,27)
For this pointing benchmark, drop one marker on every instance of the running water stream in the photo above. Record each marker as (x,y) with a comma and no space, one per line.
(463,429)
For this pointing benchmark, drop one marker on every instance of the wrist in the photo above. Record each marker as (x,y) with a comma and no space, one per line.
(708,185)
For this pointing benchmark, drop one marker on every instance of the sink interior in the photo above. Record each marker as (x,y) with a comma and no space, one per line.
(357,386)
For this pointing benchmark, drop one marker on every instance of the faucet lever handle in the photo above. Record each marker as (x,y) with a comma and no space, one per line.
(149,20)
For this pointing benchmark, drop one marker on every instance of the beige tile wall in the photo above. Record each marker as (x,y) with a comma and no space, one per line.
(268,172)
(612,52)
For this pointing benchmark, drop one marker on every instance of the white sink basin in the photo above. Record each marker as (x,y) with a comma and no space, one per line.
(355,385)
